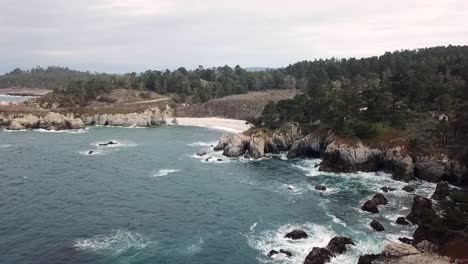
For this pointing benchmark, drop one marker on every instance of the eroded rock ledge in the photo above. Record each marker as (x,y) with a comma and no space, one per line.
(60,121)
(343,154)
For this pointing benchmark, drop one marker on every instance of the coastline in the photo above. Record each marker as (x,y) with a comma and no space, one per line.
(229,125)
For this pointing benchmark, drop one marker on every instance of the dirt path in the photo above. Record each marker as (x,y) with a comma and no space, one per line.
(149,101)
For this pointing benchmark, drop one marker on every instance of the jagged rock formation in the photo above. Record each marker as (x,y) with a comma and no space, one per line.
(337,245)
(148,118)
(50,121)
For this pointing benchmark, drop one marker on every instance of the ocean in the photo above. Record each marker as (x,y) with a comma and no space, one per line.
(151,199)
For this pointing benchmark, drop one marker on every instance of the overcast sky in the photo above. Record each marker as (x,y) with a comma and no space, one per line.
(134,35)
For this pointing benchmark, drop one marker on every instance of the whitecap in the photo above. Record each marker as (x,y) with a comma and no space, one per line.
(196,247)
(163,172)
(252,227)
(115,243)
(336,220)
(202,144)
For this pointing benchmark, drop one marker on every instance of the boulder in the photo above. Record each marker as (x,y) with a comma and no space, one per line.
(247,155)
(320,188)
(370,206)
(223,142)
(237,146)
(296,234)
(337,245)
(426,246)
(402,221)
(429,169)
(380,199)
(15,126)
(368,259)
(408,188)
(420,205)
(442,191)
(386,189)
(377,226)
(311,145)
(257,147)
(272,253)
(319,256)
(90,152)
(287,253)
(395,250)
(397,161)
(201,153)
(76,123)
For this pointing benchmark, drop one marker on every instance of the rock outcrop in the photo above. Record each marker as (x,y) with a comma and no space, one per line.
(377,226)
(236,146)
(148,118)
(50,121)
(296,234)
(442,191)
(257,147)
(420,207)
(337,245)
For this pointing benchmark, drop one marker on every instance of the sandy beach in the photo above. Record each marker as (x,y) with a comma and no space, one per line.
(230,125)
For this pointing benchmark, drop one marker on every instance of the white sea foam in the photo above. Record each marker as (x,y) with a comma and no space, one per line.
(120,143)
(252,227)
(3,146)
(116,243)
(319,236)
(336,220)
(196,247)
(202,144)
(163,172)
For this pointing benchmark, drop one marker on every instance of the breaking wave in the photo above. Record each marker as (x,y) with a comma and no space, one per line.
(163,172)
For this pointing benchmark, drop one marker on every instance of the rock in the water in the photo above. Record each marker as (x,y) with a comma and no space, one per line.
(380,199)
(406,240)
(296,234)
(272,252)
(237,146)
(223,142)
(408,188)
(370,207)
(386,189)
(287,253)
(108,143)
(319,256)
(442,191)
(320,188)
(426,246)
(337,245)
(15,126)
(247,155)
(377,226)
(257,147)
(420,205)
(368,259)
(402,221)
(219,159)
(209,158)
(201,153)
(90,152)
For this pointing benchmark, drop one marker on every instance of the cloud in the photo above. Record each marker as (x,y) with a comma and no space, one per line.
(134,35)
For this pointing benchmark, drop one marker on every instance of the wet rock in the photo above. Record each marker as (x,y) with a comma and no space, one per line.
(406,240)
(402,221)
(429,169)
(108,143)
(90,152)
(442,191)
(247,155)
(287,253)
(337,245)
(320,188)
(272,253)
(386,189)
(257,147)
(319,256)
(296,234)
(76,123)
(380,199)
(237,146)
(311,145)
(219,159)
(201,153)
(377,226)
(419,208)
(370,206)
(397,161)
(208,159)
(368,259)
(408,188)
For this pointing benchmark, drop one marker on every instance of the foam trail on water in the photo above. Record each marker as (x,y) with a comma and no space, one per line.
(115,243)
(163,172)
(202,144)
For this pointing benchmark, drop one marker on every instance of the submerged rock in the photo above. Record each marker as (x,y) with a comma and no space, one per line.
(296,234)
(386,189)
(377,226)
(201,153)
(287,253)
(90,152)
(408,188)
(406,240)
(380,199)
(108,143)
(320,188)
(272,253)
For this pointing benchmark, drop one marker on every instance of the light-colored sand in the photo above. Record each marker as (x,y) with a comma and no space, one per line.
(230,125)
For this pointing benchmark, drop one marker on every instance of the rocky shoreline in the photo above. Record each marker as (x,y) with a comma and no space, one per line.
(442,225)
(61,121)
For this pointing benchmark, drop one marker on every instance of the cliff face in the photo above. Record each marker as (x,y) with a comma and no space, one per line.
(58,121)
(341,154)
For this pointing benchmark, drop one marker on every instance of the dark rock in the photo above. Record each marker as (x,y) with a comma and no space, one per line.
(387,189)
(208,159)
(201,153)
(272,252)
(420,206)
(368,259)
(319,256)
(296,234)
(370,207)
(320,188)
(90,152)
(311,145)
(337,245)
(377,226)
(406,240)
(408,188)
(426,246)
(219,159)
(402,221)
(247,155)
(108,143)
(380,199)
(430,170)
(442,191)
(287,253)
